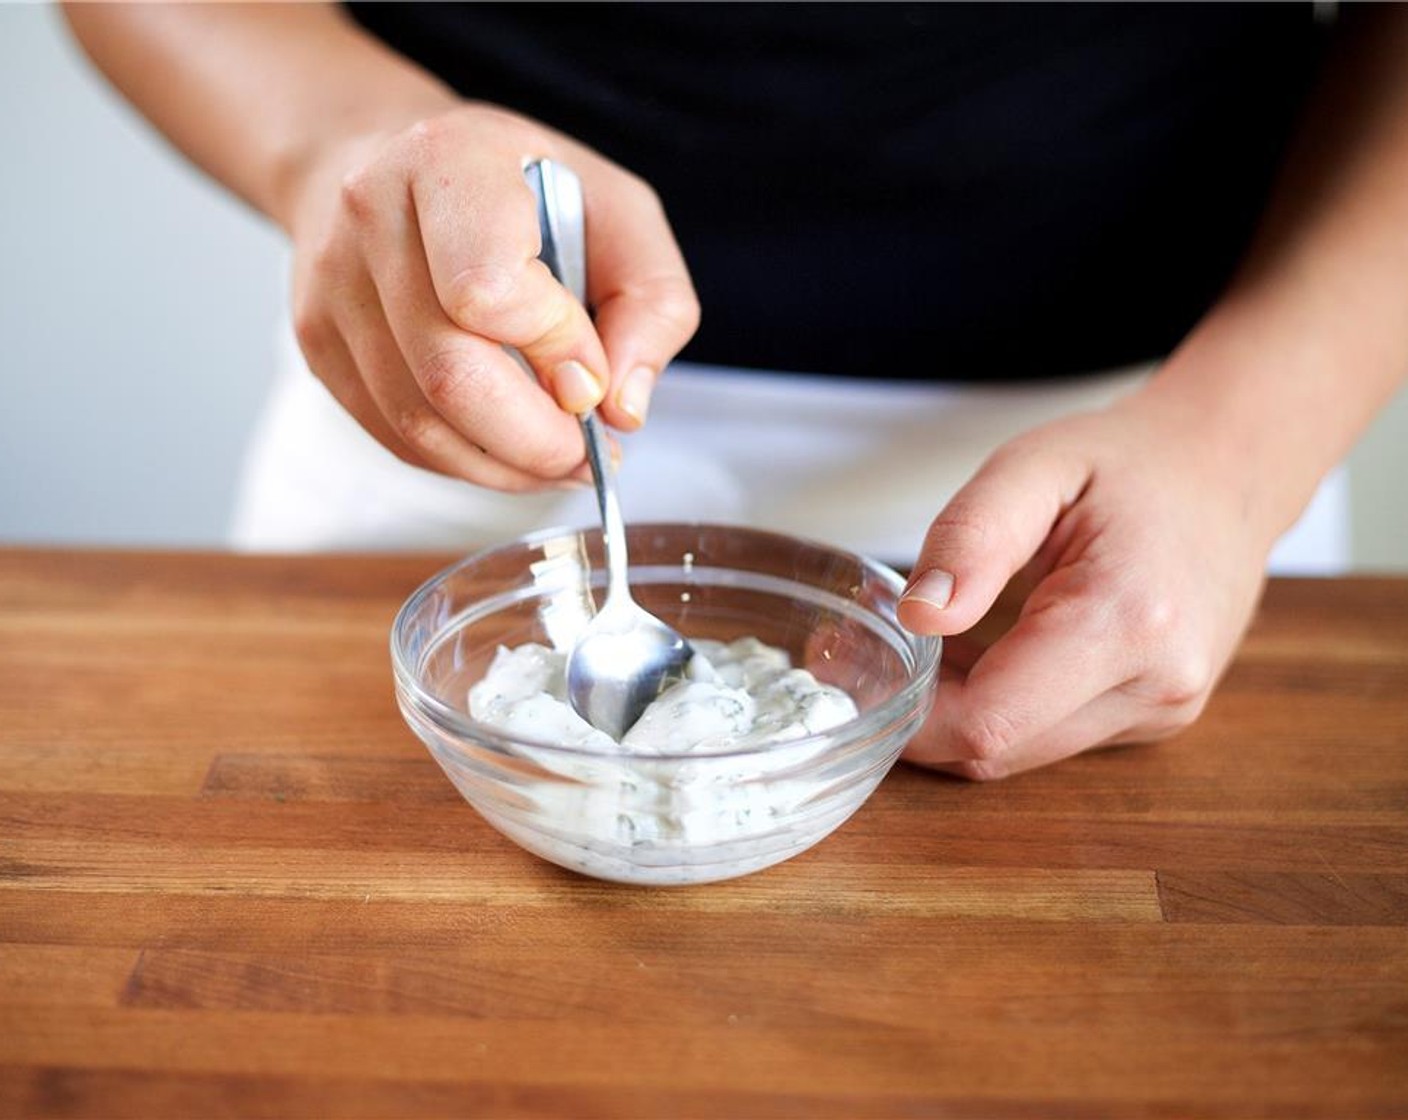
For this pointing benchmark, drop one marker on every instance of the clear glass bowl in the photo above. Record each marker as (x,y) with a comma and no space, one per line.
(661,818)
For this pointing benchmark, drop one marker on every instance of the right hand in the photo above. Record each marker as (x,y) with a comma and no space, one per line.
(415,264)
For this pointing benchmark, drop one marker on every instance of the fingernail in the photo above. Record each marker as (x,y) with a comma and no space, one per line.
(575,387)
(934,587)
(633,398)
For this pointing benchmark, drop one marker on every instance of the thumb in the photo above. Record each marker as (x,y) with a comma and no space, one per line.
(985,536)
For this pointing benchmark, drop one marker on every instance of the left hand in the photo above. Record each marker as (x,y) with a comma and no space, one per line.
(1145,551)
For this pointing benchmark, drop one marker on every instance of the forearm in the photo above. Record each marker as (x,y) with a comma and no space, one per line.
(252,92)
(1311,338)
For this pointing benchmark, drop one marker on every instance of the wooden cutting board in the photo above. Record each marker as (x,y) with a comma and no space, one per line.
(233,883)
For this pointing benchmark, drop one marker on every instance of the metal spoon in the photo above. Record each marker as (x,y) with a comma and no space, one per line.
(626,656)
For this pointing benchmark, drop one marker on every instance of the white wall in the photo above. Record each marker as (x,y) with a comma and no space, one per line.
(136,303)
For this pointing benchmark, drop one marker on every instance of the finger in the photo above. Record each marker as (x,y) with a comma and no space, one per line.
(406,411)
(470,383)
(328,357)
(986,534)
(646,307)
(1103,722)
(481,240)
(1054,662)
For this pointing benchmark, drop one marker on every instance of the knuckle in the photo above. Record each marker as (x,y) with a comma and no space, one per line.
(1179,671)
(1183,684)
(984,738)
(1174,722)
(1152,618)
(481,292)
(1173,658)
(555,319)
(326,263)
(417,427)
(446,376)
(313,329)
(357,194)
(427,135)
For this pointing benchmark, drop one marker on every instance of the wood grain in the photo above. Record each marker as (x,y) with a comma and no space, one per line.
(233,884)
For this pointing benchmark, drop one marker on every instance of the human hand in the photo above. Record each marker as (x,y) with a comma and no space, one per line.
(1145,557)
(415,264)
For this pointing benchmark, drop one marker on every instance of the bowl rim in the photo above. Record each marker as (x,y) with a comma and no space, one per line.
(927,650)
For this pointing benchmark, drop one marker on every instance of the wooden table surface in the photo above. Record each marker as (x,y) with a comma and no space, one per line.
(233,883)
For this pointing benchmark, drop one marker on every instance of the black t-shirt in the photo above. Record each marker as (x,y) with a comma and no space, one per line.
(915,190)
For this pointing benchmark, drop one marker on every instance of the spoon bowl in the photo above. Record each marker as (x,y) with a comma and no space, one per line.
(622,662)
(625,657)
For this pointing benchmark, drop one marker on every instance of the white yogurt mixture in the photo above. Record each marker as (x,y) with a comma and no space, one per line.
(739,695)
(671,801)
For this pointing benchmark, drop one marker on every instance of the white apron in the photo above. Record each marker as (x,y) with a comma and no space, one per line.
(850,462)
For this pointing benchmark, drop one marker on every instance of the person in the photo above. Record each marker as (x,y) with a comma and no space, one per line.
(888,208)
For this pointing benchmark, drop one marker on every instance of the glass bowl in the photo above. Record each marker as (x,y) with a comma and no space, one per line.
(667,818)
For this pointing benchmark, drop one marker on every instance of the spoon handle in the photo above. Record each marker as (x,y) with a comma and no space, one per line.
(562,220)
(613,529)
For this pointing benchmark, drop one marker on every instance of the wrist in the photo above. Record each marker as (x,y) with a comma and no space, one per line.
(1265,406)
(364,94)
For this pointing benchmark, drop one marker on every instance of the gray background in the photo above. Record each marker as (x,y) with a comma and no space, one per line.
(137,309)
